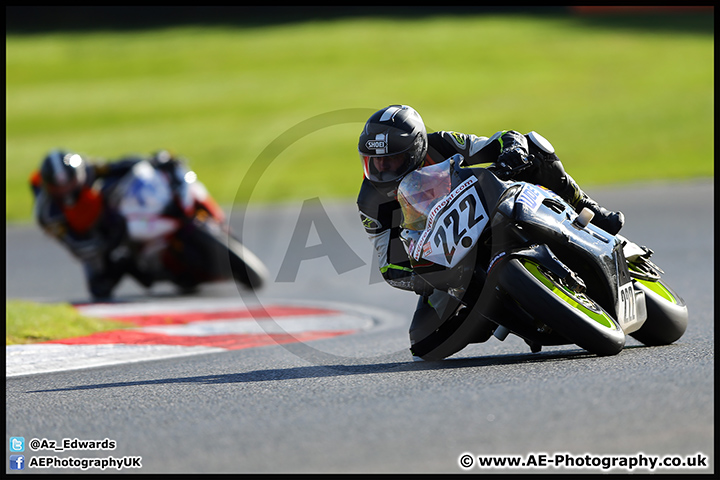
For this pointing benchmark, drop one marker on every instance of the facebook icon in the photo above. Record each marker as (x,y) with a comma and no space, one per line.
(17,462)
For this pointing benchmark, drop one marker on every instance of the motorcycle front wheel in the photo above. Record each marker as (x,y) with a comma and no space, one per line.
(547,299)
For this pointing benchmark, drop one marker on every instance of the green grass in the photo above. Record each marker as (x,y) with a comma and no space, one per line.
(619,105)
(30,322)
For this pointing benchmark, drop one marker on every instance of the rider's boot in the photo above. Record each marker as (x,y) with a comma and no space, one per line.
(609,221)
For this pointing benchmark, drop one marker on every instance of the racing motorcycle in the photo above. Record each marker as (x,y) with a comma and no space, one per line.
(176,232)
(514,257)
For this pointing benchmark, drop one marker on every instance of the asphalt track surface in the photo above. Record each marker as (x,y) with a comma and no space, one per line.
(357,403)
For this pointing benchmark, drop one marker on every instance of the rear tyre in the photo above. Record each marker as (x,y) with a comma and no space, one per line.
(546,298)
(667,314)
(247,268)
(210,254)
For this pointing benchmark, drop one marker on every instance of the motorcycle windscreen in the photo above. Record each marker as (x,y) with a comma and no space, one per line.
(451,221)
(145,196)
(420,190)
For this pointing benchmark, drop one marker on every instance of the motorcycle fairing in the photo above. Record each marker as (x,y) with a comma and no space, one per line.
(591,253)
(146,193)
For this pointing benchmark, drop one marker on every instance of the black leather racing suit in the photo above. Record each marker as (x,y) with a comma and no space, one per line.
(381,215)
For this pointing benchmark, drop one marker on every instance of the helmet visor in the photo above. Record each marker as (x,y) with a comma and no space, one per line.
(67,193)
(389,164)
(387,168)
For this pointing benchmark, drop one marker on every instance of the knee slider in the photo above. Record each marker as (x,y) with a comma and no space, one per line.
(541,142)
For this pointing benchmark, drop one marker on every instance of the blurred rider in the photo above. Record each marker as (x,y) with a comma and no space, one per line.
(395,142)
(70,206)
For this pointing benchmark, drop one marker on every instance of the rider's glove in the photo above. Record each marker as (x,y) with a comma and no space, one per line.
(420,286)
(512,161)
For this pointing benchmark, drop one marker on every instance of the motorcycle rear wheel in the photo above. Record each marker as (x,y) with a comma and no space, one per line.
(247,268)
(211,254)
(574,316)
(667,314)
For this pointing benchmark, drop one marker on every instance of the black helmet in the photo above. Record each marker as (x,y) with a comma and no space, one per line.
(63,175)
(392,144)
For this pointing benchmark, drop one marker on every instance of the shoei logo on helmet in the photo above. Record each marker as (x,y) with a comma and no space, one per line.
(375,144)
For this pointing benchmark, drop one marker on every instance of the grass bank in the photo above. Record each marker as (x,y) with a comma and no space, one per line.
(31,322)
(619,104)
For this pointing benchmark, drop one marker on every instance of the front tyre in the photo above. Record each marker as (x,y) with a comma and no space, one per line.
(547,299)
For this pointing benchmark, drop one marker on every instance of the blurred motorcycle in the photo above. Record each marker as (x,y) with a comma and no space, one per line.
(176,232)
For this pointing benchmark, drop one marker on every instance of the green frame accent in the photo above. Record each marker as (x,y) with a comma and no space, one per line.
(660,289)
(655,286)
(602,318)
(390,266)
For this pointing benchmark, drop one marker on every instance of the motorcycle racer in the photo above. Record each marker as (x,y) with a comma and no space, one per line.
(71,206)
(394,142)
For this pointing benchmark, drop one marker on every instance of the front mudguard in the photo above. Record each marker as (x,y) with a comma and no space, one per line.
(499,307)
(550,305)
(542,255)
